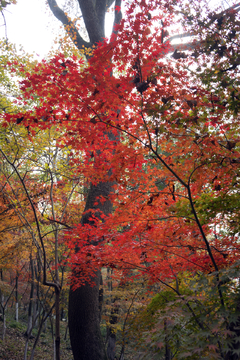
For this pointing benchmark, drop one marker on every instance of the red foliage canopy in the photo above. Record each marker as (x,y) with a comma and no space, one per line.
(136,117)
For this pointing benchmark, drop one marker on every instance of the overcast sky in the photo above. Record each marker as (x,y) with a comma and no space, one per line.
(28,24)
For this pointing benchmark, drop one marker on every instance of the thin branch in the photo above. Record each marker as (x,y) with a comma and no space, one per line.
(5,26)
(45,282)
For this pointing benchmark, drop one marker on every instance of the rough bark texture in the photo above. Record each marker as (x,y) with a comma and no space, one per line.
(85,302)
(84,324)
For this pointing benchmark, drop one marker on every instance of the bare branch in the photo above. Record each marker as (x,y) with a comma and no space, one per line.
(193,44)
(68,24)
(5,26)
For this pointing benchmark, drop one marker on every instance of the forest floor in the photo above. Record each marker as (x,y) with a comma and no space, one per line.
(12,348)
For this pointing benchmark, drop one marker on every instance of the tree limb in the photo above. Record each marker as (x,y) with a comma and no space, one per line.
(68,24)
(91,20)
(117,15)
(101,8)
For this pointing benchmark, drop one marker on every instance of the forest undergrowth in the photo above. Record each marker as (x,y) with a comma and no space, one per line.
(12,347)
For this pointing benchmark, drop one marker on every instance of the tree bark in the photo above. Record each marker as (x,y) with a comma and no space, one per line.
(84,325)
(84,305)
(30,305)
(85,302)
(16,297)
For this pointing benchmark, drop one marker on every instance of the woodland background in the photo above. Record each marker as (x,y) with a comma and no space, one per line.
(119,177)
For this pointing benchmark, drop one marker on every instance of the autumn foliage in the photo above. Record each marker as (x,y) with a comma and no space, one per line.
(165,131)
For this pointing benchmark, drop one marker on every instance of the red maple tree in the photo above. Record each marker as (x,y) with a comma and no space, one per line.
(165,137)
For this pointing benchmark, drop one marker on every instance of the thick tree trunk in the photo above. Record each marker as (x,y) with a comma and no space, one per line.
(85,302)
(84,329)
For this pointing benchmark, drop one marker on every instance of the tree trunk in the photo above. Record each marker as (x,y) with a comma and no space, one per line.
(57,323)
(16,298)
(30,306)
(4,323)
(4,308)
(84,327)
(41,323)
(85,302)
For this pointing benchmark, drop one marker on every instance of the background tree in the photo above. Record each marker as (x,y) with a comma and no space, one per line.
(38,174)
(166,127)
